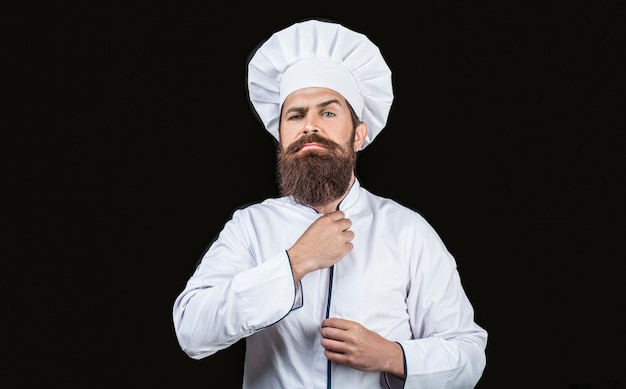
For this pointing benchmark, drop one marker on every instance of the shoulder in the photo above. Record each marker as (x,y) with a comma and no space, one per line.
(399,213)
(389,204)
(258,206)
(274,208)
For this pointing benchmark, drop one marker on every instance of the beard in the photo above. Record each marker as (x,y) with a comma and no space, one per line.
(317,177)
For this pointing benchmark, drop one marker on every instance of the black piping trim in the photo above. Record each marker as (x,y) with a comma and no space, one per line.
(330,293)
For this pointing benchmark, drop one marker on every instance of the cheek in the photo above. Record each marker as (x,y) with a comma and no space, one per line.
(286,136)
(284,143)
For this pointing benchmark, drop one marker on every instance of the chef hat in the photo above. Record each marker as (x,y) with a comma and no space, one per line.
(317,53)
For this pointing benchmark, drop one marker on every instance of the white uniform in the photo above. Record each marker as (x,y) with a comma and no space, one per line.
(399,281)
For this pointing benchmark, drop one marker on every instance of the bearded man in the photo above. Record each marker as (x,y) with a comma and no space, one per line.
(330,285)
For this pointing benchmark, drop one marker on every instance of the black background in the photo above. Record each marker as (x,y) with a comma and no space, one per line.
(130,140)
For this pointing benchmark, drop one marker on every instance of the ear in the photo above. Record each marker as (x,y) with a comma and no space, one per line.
(360,135)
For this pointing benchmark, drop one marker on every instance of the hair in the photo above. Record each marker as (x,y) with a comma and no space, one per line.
(355,118)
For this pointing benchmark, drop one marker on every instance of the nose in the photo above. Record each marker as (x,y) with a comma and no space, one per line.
(310,126)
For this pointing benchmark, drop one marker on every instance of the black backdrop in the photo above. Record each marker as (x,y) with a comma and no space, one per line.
(130,140)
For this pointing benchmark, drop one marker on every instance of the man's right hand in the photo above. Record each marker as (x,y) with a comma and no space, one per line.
(322,245)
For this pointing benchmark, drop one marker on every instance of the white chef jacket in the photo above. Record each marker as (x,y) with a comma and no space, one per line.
(399,281)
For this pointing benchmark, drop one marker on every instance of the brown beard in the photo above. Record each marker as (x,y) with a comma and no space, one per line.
(317,177)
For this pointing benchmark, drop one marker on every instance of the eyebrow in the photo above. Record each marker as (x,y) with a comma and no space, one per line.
(320,105)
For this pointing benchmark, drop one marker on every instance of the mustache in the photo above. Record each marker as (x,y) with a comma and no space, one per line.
(312,138)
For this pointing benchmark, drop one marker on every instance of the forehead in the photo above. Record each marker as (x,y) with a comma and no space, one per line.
(307,97)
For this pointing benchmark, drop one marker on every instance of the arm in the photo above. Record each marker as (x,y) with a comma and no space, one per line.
(231,295)
(448,349)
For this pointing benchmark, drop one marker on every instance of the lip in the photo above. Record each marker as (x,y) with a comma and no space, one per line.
(313,145)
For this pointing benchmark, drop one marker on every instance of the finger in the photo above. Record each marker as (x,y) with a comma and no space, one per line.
(333,345)
(336,215)
(333,333)
(345,224)
(336,322)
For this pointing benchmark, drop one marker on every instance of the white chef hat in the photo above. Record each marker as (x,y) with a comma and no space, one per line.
(317,53)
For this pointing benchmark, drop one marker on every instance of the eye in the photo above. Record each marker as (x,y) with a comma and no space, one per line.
(328,114)
(295,116)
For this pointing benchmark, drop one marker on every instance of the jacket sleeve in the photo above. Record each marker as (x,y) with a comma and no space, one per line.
(448,346)
(231,294)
